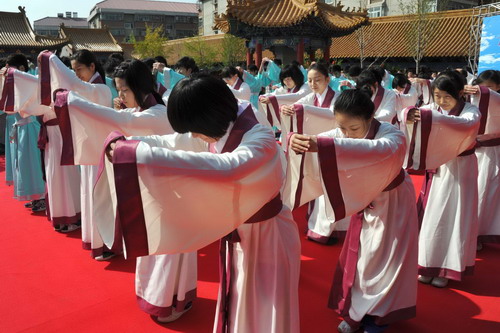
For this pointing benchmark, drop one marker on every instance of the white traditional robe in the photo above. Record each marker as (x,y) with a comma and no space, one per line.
(406,98)
(264,283)
(316,108)
(63,182)
(241,90)
(378,264)
(282,96)
(385,104)
(488,156)
(96,91)
(161,281)
(85,126)
(449,209)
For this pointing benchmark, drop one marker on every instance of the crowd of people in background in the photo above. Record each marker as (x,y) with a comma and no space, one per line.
(228,152)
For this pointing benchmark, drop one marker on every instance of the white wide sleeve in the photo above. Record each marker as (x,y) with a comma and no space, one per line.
(188,199)
(61,77)
(243,93)
(387,109)
(91,123)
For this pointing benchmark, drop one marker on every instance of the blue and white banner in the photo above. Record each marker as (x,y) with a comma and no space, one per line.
(489,56)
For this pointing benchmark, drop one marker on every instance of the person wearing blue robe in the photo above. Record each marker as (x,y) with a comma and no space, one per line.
(168,78)
(9,121)
(26,160)
(23,161)
(255,84)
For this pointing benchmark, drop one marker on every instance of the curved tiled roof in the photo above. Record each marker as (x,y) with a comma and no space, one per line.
(95,40)
(286,13)
(15,31)
(388,37)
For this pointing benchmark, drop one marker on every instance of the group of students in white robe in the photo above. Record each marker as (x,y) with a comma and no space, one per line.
(166,184)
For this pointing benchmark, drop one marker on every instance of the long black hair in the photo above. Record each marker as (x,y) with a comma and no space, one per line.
(202,104)
(17,60)
(85,57)
(230,71)
(366,80)
(319,67)
(139,79)
(488,75)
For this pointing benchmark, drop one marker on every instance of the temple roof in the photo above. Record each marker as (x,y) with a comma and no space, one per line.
(16,31)
(388,37)
(95,40)
(288,13)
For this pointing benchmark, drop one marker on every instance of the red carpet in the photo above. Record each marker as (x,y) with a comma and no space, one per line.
(49,284)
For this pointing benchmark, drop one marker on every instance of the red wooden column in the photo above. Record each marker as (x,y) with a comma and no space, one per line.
(312,55)
(258,53)
(249,57)
(300,52)
(326,53)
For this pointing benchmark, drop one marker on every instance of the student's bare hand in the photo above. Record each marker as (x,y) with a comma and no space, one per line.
(264,100)
(471,90)
(158,67)
(345,83)
(117,103)
(413,116)
(110,151)
(288,110)
(300,143)
(4,71)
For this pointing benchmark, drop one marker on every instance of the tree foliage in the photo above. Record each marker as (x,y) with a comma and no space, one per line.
(152,45)
(203,53)
(233,50)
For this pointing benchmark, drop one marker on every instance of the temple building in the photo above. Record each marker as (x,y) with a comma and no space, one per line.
(17,36)
(288,28)
(98,41)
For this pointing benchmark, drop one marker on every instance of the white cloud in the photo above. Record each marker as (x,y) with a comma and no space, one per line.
(490,58)
(486,37)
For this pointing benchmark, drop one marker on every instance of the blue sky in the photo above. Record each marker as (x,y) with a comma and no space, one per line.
(489,57)
(37,9)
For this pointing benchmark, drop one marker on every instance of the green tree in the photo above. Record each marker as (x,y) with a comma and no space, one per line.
(152,45)
(197,48)
(233,50)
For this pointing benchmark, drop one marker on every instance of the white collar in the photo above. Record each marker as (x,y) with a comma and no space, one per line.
(375,94)
(95,76)
(235,82)
(321,98)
